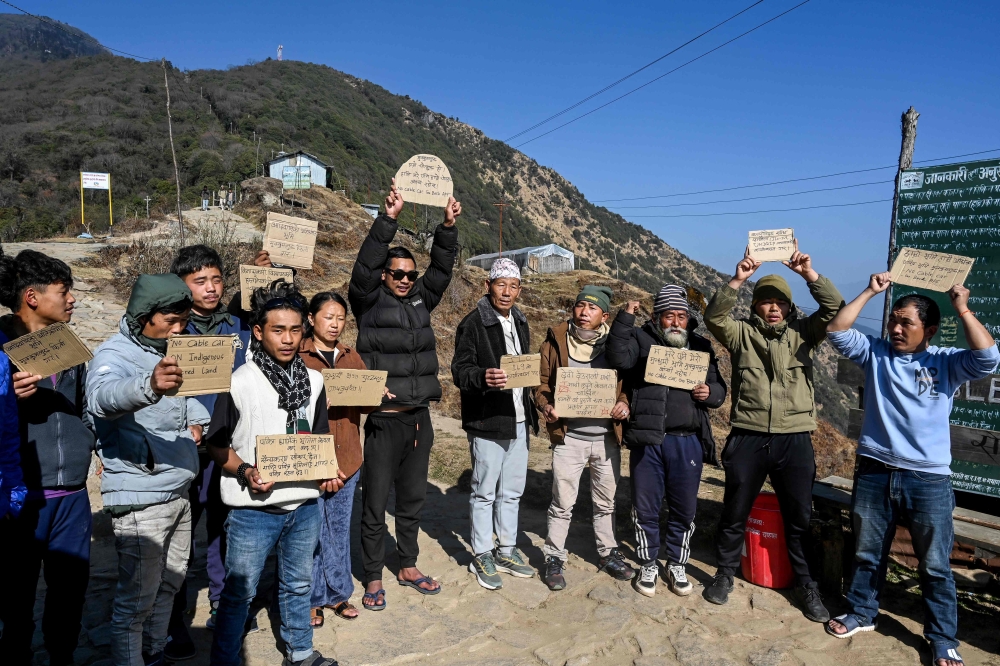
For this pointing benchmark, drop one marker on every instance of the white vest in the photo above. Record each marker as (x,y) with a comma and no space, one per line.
(257,402)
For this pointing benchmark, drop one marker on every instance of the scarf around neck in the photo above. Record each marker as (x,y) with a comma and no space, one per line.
(292,385)
(209,324)
(585,345)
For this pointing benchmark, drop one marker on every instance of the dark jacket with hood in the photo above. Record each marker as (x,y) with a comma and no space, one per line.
(395,334)
(57,431)
(479,343)
(627,351)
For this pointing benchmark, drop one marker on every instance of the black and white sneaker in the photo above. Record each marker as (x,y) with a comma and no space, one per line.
(677,580)
(645,582)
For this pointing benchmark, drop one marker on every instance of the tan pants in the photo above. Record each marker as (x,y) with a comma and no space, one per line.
(568,461)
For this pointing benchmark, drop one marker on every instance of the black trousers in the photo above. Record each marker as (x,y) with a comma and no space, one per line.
(397,452)
(749,458)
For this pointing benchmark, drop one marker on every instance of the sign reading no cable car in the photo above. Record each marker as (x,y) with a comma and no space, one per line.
(92,180)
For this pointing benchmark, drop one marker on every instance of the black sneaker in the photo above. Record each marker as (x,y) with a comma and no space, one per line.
(179,647)
(554,574)
(153,659)
(616,566)
(315,659)
(718,591)
(809,601)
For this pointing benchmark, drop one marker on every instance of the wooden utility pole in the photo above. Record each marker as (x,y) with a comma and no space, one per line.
(908,125)
(503,204)
(170,131)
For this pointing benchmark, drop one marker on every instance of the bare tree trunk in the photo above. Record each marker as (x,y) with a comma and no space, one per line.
(908,124)
(170,130)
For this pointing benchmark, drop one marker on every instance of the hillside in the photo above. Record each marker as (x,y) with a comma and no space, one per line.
(25,38)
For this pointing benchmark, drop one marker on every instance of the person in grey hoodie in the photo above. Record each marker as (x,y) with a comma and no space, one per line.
(147,442)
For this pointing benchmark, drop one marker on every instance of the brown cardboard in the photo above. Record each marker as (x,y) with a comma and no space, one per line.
(935,271)
(523,371)
(424,179)
(207,362)
(254,277)
(354,388)
(585,392)
(47,351)
(296,457)
(772,244)
(290,241)
(677,368)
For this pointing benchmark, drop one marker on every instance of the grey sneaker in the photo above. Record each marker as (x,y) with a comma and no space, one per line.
(513,564)
(677,580)
(645,582)
(486,571)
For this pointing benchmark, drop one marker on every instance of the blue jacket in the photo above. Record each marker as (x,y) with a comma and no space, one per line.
(144,443)
(12,490)
(225,328)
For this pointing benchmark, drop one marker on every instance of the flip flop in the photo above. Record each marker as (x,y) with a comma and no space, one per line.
(378,597)
(339,609)
(941,652)
(316,614)
(415,584)
(852,624)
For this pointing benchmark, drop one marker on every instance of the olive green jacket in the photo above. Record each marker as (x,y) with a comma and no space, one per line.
(772,365)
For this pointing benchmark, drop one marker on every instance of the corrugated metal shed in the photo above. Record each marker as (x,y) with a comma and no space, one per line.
(320,171)
(542,259)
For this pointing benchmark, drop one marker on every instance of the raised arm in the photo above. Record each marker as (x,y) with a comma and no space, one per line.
(623,350)
(433,283)
(366,276)
(848,314)
(115,389)
(717,320)
(827,296)
(716,385)
(976,335)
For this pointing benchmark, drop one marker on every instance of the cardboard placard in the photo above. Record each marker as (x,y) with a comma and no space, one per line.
(424,179)
(47,351)
(677,368)
(290,241)
(772,244)
(585,392)
(936,271)
(523,371)
(354,388)
(254,277)
(296,457)
(207,362)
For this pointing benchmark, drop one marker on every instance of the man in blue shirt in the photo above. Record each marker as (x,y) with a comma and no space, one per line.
(904,453)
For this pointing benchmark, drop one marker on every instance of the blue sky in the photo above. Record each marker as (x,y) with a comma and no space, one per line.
(817,91)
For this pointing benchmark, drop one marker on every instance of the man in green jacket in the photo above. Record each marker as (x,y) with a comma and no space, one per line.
(773,415)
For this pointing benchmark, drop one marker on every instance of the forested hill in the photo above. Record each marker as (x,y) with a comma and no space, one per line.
(27,38)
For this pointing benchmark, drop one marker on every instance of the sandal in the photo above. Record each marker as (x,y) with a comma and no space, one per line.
(851,623)
(316,614)
(343,607)
(377,598)
(415,584)
(939,652)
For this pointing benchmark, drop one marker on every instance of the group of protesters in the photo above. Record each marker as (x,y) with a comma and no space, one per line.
(165,461)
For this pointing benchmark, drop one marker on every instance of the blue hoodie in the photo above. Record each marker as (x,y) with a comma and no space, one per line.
(12,489)
(908,398)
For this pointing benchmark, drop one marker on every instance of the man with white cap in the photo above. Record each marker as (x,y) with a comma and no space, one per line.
(668,435)
(496,420)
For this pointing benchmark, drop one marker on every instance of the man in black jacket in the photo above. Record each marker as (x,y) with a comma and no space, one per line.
(57,438)
(392,305)
(497,421)
(668,435)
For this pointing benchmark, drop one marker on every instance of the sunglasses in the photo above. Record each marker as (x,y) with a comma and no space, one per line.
(399,275)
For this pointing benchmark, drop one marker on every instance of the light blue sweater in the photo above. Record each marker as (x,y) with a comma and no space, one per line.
(908,398)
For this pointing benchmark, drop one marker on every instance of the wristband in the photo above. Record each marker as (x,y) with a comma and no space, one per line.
(962,314)
(241,477)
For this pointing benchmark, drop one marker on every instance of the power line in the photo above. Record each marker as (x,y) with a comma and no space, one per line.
(80,34)
(773,210)
(679,67)
(628,76)
(766,196)
(790,180)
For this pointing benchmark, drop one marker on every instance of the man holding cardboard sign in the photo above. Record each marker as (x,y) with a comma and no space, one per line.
(669,435)
(579,442)
(273,394)
(496,420)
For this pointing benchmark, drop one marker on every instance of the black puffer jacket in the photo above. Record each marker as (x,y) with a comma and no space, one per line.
(395,334)
(627,351)
(479,344)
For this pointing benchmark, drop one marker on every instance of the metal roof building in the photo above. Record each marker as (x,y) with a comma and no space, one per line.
(542,259)
(321,173)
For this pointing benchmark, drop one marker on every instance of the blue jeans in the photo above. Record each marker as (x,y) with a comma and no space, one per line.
(251,533)
(499,471)
(331,570)
(882,498)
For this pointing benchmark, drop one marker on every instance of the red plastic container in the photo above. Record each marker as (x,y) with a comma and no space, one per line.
(765,555)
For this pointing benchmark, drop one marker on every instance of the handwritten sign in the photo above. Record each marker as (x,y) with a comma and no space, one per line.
(936,271)
(523,371)
(772,244)
(47,351)
(290,241)
(254,277)
(677,368)
(354,388)
(424,179)
(207,362)
(585,392)
(296,457)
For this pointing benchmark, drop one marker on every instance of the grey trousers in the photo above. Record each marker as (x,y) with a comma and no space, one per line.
(568,461)
(499,471)
(153,548)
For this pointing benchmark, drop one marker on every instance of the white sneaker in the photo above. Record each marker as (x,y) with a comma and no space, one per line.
(677,580)
(645,582)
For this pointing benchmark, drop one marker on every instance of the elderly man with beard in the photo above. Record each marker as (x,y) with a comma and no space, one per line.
(669,434)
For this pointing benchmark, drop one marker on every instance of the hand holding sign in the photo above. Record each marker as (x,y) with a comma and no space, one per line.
(393,202)
(206,362)
(424,179)
(585,392)
(522,371)
(935,271)
(772,244)
(167,376)
(48,351)
(677,368)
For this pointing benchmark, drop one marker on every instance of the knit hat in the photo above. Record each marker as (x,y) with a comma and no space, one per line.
(504,268)
(670,297)
(599,296)
(772,286)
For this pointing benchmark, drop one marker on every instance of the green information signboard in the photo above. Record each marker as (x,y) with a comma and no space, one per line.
(296,177)
(955,208)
